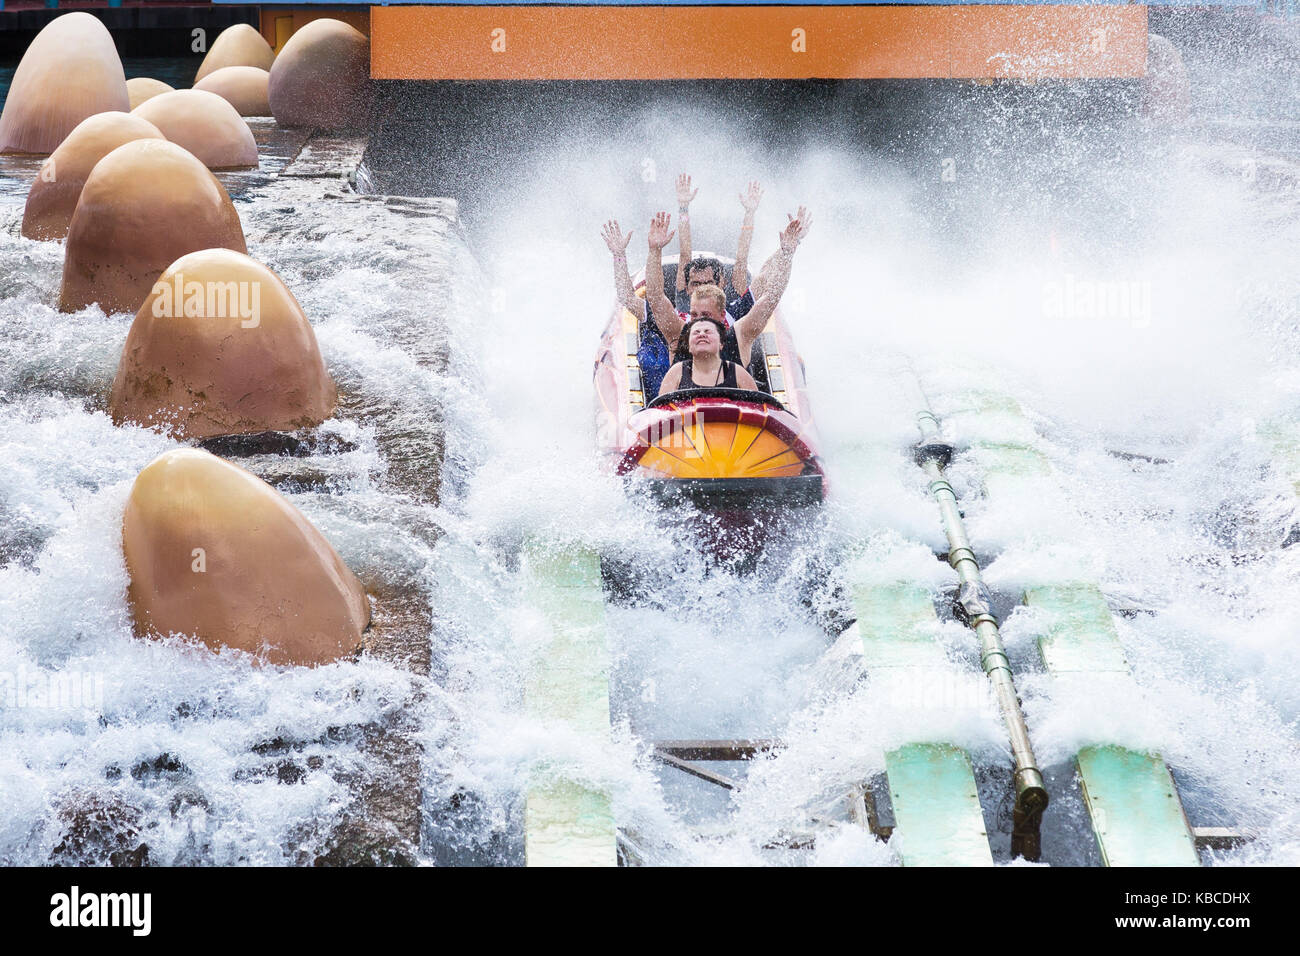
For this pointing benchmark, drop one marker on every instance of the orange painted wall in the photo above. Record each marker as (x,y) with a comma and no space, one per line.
(675,42)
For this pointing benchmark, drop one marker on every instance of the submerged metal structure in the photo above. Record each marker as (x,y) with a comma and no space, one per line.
(974,607)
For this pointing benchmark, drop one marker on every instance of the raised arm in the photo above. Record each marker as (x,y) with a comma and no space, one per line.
(751,326)
(617,243)
(764,273)
(684,196)
(661,310)
(740,273)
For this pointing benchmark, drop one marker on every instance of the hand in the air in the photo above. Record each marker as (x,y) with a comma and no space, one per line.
(684,192)
(659,234)
(614,237)
(753,197)
(796,230)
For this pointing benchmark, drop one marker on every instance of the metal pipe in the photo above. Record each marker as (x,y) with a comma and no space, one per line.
(974,606)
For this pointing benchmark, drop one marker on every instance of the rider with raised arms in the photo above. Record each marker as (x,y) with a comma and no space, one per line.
(740,336)
(703,366)
(694,272)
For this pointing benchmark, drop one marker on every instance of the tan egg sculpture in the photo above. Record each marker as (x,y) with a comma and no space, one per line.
(215,552)
(240,45)
(144,205)
(243,87)
(322,77)
(205,124)
(54,194)
(143,88)
(70,71)
(221,347)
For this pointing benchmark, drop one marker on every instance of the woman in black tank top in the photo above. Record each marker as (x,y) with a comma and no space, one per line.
(703,365)
(726,377)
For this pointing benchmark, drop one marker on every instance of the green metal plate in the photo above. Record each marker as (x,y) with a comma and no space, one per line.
(567,823)
(986,401)
(1080,635)
(936,807)
(1135,810)
(1006,468)
(931,785)
(897,623)
(1010,460)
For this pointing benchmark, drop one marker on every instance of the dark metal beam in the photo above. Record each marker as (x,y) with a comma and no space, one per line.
(1219,838)
(687,767)
(724,749)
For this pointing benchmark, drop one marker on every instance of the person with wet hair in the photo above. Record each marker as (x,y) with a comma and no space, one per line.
(705,270)
(707,302)
(702,364)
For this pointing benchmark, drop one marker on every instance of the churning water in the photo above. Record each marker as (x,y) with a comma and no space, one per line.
(956,236)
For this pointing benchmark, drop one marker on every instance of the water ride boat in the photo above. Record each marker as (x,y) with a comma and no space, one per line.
(721,447)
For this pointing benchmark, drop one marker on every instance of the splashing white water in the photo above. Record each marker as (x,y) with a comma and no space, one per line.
(967,283)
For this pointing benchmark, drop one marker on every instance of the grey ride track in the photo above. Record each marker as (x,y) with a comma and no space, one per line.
(385,826)
(322,172)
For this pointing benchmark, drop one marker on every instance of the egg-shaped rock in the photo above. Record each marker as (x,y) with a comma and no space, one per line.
(144,205)
(321,77)
(141,88)
(70,71)
(205,124)
(216,553)
(239,45)
(243,87)
(221,347)
(57,187)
